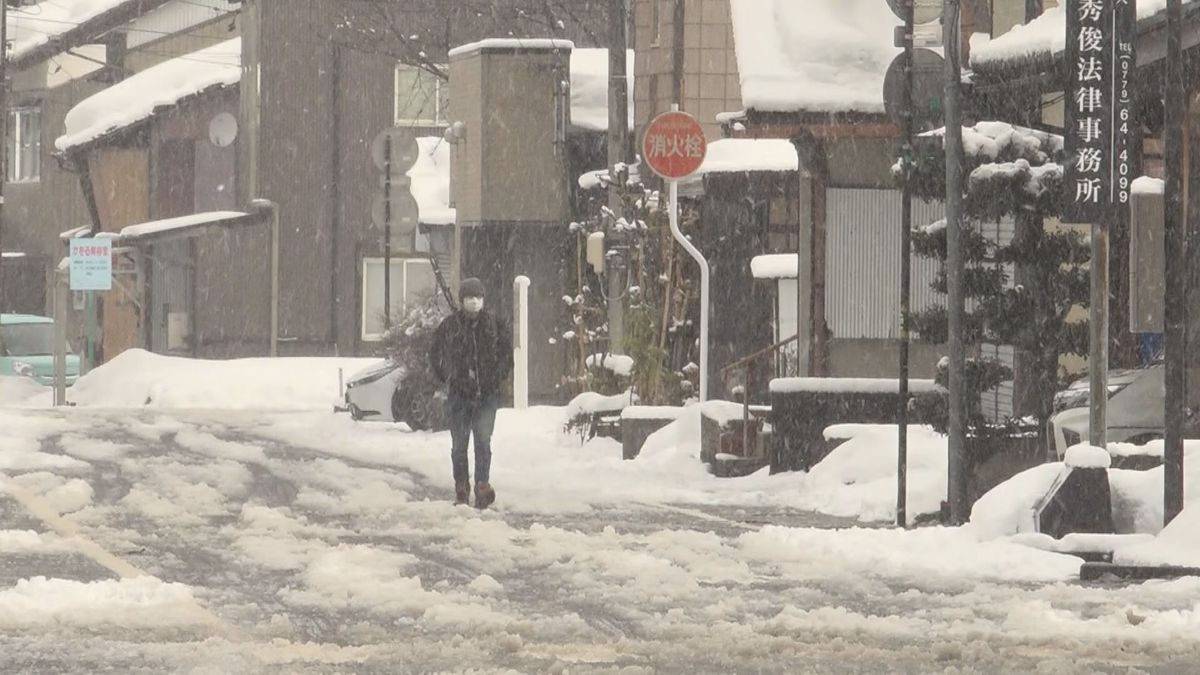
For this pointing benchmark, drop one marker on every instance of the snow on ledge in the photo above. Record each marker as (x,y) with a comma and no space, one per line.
(180,223)
(774,266)
(1084,456)
(1145,185)
(651,412)
(510,43)
(140,96)
(856,385)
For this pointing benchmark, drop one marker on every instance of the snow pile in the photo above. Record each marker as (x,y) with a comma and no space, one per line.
(1177,544)
(431,181)
(858,479)
(590,402)
(589,88)
(1084,456)
(138,378)
(816,55)
(774,266)
(620,364)
(1045,36)
(652,412)
(138,603)
(140,96)
(1007,509)
(16,391)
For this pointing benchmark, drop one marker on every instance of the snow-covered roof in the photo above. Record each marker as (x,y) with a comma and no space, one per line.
(430,184)
(176,224)
(815,55)
(33,26)
(1045,36)
(589,88)
(774,266)
(510,43)
(142,95)
(750,154)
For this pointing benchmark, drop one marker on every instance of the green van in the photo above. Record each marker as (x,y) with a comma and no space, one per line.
(27,349)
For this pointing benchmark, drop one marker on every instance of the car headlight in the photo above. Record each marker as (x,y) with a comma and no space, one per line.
(24,369)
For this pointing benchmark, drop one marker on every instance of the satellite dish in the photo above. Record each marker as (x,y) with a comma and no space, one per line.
(223,130)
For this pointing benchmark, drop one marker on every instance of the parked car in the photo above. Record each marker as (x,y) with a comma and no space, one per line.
(1135,409)
(27,349)
(379,394)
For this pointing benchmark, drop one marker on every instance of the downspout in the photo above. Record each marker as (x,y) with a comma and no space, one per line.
(335,220)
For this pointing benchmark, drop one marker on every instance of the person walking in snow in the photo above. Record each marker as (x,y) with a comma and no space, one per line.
(472,355)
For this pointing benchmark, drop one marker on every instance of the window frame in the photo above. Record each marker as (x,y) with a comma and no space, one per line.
(399,265)
(440,107)
(21,148)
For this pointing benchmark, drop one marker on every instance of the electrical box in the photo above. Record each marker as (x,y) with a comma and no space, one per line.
(595,251)
(510,101)
(1146,257)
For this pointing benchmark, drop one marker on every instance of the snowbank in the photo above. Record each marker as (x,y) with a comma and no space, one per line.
(16,391)
(858,479)
(138,378)
(1177,544)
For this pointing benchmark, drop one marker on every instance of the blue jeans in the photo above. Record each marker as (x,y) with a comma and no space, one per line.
(471,417)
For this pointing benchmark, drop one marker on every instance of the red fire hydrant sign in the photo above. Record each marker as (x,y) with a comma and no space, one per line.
(674,145)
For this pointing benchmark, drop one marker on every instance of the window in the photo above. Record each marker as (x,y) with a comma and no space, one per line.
(24,145)
(422,98)
(412,282)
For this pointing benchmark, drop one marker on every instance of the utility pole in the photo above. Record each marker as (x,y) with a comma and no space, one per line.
(3,137)
(957,488)
(906,104)
(618,156)
(1175,313)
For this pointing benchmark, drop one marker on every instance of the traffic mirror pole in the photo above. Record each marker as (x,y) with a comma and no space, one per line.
(906,103)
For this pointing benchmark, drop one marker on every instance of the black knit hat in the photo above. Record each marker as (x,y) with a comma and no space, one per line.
(470,288)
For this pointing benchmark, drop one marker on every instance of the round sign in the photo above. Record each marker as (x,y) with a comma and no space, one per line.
(674,145)
(223,130)
(924,11)
(928,83)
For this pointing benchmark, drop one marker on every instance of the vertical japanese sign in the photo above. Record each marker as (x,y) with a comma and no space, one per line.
(1100,62)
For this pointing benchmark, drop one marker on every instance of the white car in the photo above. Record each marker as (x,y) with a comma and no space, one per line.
(1135,409)
(380,394)
(372,394)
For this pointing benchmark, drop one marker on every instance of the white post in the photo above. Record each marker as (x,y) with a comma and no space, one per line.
(521,342)
(61,298)
(699,258)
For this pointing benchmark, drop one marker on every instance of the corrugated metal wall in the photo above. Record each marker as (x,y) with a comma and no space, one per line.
(862,289)
(862,248)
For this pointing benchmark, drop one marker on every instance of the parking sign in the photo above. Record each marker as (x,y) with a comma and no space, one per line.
(91,264)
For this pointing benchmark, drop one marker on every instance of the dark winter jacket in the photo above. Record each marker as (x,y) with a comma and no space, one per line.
(473,356)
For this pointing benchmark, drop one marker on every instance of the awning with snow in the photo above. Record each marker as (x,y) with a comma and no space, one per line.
(820,56)
(150,92)
(157,231)
(775,266)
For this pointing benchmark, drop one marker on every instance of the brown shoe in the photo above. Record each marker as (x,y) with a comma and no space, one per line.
(462,493)
(484,495)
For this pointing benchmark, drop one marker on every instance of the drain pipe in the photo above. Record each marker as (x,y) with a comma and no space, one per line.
(270,210)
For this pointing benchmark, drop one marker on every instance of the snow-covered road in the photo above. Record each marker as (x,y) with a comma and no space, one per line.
(142,541)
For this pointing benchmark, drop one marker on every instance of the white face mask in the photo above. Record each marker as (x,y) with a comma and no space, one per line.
(472,305)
